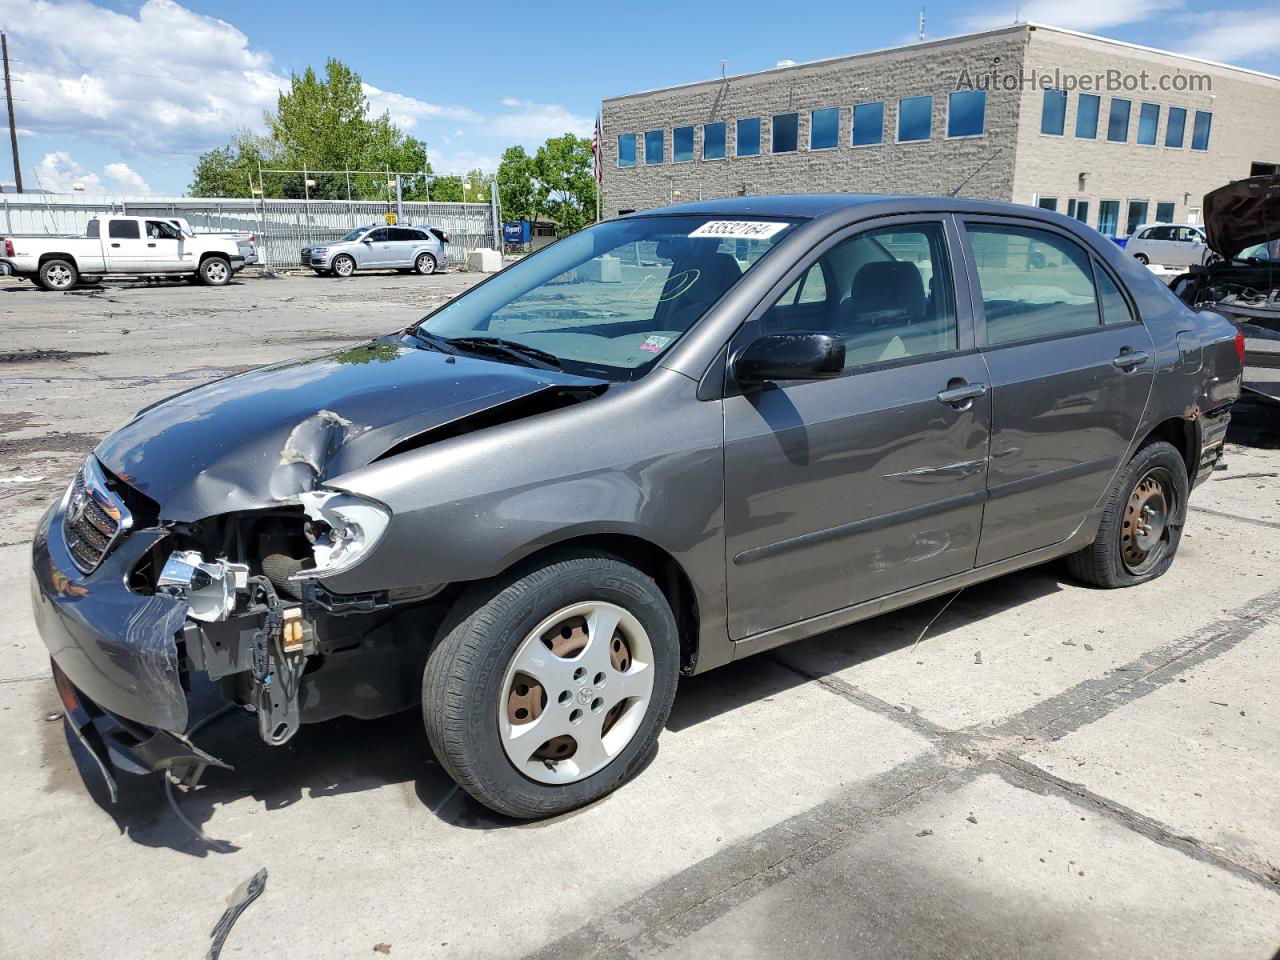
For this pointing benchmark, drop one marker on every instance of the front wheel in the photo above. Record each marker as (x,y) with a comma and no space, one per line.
(425,264)
(343,266)
(1141,523)
(57,275)
(548,688)
(214,272)
(1142,258)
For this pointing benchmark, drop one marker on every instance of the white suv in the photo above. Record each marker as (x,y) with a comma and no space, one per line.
(1169,244)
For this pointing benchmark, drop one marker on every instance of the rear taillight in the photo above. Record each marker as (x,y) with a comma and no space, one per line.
(8,247)
(446,238)
(1240,346)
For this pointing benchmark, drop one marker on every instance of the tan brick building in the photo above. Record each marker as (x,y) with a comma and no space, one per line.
(1109,132)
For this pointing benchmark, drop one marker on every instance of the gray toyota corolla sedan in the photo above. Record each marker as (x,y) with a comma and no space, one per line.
(666,442)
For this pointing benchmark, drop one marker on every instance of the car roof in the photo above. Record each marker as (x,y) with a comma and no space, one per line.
(814,205)
(1167,223)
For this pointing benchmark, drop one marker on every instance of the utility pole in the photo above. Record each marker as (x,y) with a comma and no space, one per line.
(13,127)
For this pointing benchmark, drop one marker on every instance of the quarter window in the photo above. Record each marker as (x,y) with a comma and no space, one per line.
(713,141)
(915,119)
(1053,112)
(682,145)
(887,292)
(654,146)
(1115,308)
(868,124)
(626,149)
(786,133)
(1200,131)
(123,230)
(1175,132)
(824,128)
(1034,283)
(1087,108)
(1118,121)
(1148,122)
(749,137)
(966,113)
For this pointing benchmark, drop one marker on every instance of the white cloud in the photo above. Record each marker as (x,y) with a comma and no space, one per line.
(59,173)
(449,162)
(1232,36)
(127,179)
(1084,15)
(407,111)
(526,120)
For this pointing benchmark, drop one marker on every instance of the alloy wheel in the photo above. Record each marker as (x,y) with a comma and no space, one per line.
(59,276)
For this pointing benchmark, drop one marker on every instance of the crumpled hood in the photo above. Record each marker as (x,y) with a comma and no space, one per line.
(1241,214)
(260,438)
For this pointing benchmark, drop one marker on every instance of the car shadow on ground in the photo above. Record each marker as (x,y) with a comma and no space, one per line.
(347,756)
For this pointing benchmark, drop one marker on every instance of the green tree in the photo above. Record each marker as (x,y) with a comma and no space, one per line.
(565,185)
(473,188)
(319,123)
(515,185)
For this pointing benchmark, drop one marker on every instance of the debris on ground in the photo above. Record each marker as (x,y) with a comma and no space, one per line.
(20,479)
(240,898)
(977,656)
(971,818)
(382,948)
(925,833)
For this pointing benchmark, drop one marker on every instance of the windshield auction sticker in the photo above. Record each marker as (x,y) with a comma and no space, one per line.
(743,229)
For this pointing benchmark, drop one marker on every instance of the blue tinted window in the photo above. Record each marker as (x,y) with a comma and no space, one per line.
(786,132)
(682,145)
(1200,131)
(1087,116)
(1118,121)
(1053,112)
(654,146)
(915,118)
(1177,129)
(713,141)
(868,124)
(749,137)
(1148,121)
(626,150)
(966,113)
(824,128)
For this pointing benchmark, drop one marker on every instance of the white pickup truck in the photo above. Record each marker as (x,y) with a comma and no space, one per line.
(124,246)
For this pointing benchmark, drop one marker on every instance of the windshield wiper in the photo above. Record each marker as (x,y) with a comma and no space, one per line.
(522,352)
(428,340)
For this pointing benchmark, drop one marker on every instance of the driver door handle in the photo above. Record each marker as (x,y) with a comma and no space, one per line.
(961,396)
(1129,359)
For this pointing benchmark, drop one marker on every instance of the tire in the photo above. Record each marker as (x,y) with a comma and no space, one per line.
(1153,486)
(89,281)
(425,264)
(595,713)
(57,275)
(342,266)
(214,272)
(1142,258)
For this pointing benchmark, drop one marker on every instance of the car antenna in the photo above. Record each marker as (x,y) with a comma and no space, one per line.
(976,171)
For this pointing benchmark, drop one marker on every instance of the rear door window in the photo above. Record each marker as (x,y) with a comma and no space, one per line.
(1033,283)
(124,230)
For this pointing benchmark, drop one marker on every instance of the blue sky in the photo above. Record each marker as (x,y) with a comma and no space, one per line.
(122,96)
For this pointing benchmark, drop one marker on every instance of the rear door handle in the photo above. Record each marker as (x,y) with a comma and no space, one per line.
(150,244)
(115,244)
(1129,359)
(961,397)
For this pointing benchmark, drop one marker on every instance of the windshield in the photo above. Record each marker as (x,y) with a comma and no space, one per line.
(1262,251)
(354,235)
(611,299)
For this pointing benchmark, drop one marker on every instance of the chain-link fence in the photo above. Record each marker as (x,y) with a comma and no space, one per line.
(282,227)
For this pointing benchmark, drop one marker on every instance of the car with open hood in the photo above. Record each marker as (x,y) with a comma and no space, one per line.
(666,442)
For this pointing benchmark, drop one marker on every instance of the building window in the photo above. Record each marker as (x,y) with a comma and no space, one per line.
(1078,210)
(1137,215)
(868,124)
(1200,130)
(1118,122)
(749,137)
(1177,128)
(626,149)
(1047,203)
(786,133)
(1148,122)
(1108,217)
(1053,113)
(1087,107)
(654,146)
(1164,212)
(967,113)
(915,119)
(824,128)
(713,141)
(682,145)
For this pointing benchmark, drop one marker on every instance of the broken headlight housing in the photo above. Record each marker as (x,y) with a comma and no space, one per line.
(342,529)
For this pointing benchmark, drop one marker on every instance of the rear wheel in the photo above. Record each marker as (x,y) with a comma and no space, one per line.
(1142,258)
(1142,522)
(57,275)
(548,688)
(343,266)
(214,272)
(425,264)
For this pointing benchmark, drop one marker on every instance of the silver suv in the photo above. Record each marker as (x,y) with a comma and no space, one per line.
(421,249)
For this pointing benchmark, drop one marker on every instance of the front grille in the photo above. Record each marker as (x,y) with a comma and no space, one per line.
(95,517)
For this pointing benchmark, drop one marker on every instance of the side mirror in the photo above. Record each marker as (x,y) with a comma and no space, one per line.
(799,355)
(366,239)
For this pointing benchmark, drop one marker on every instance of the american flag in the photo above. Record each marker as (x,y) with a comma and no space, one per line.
(597,146)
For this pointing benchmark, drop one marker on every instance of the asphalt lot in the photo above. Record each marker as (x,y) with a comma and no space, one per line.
(1053,771)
